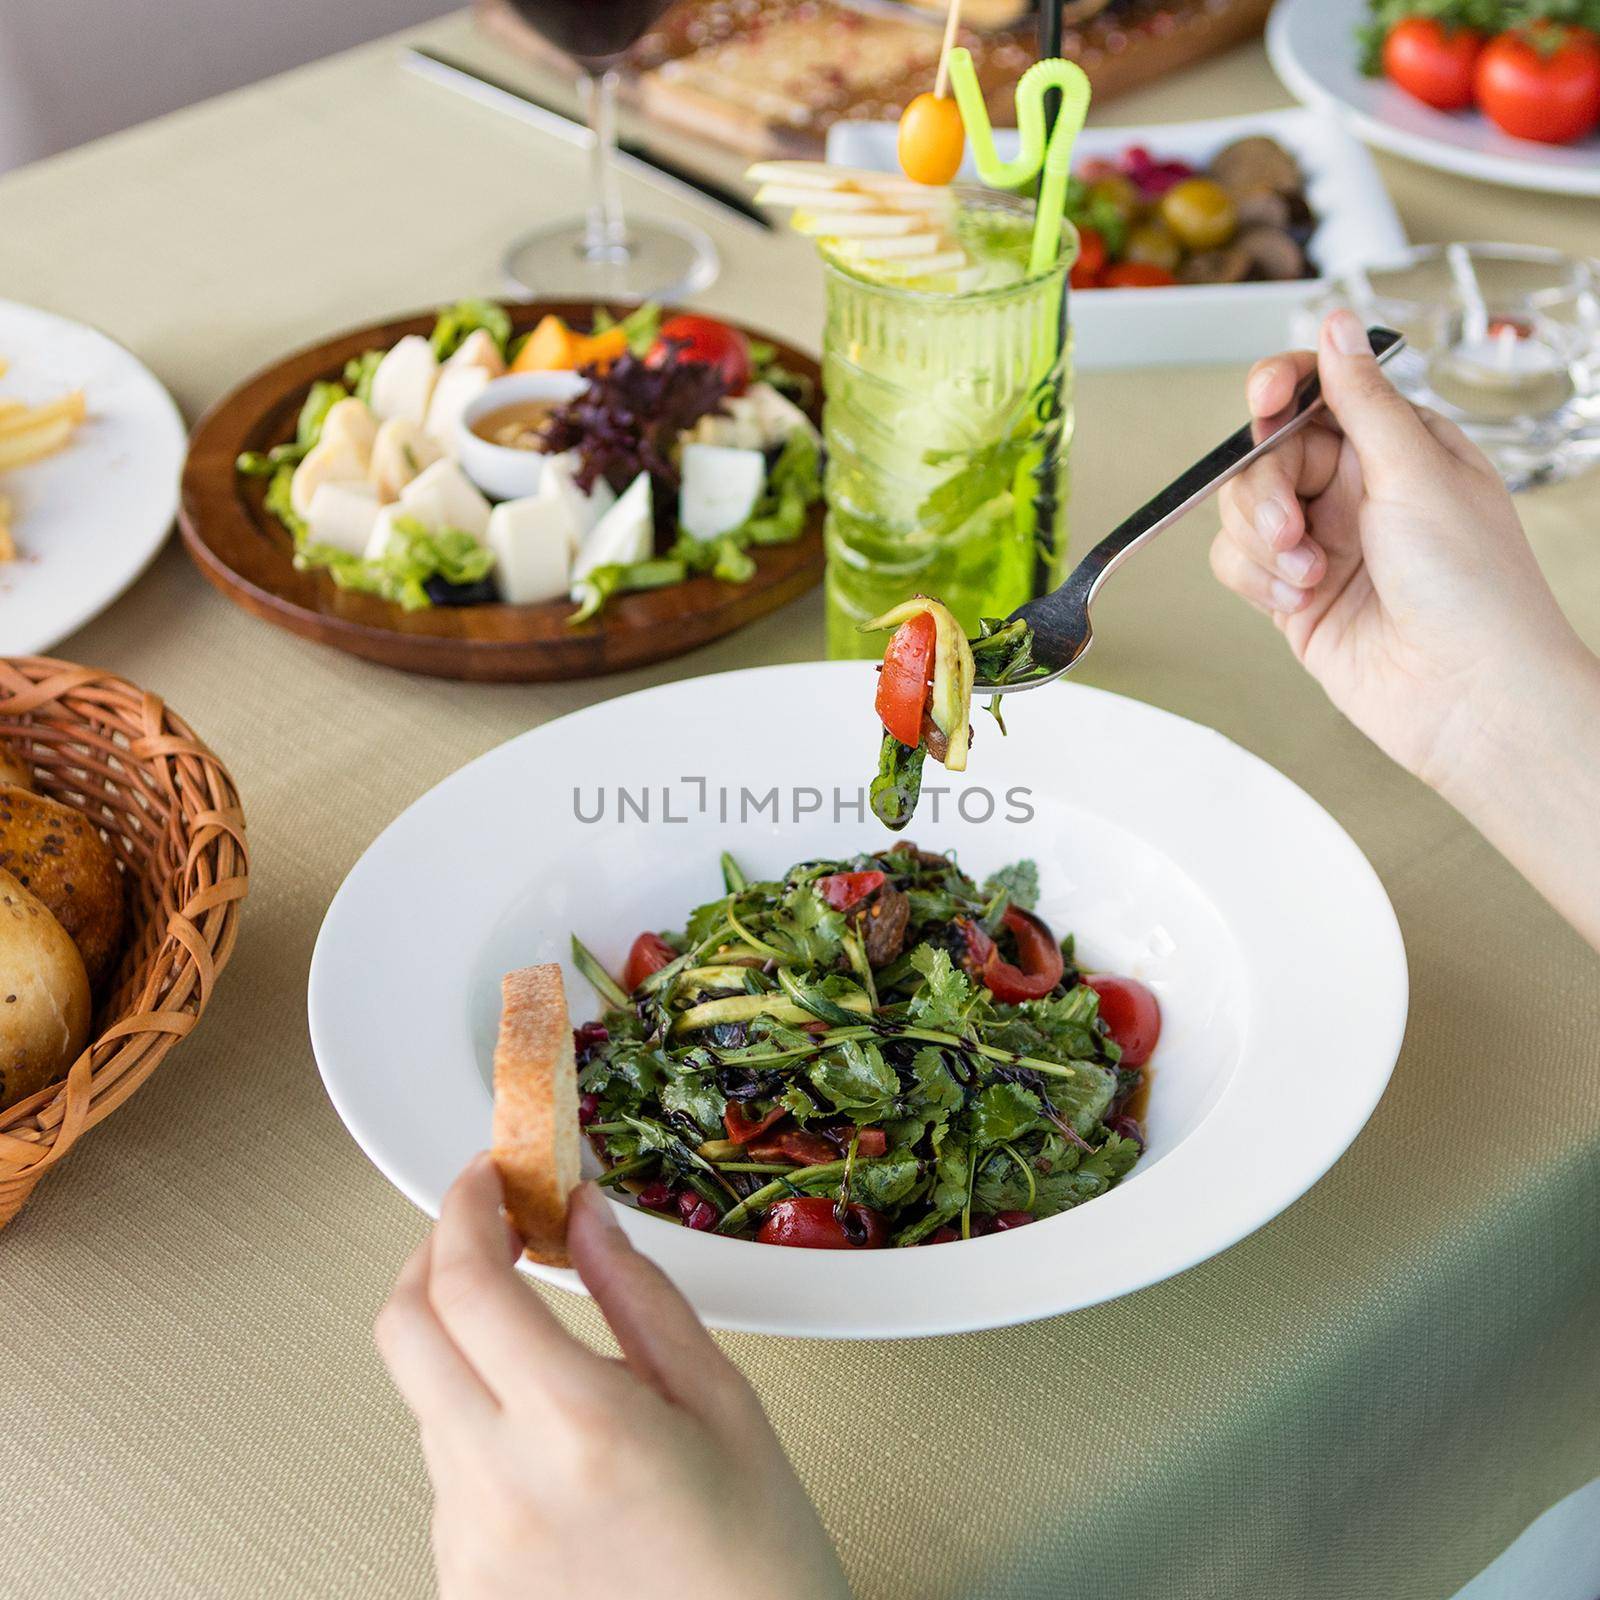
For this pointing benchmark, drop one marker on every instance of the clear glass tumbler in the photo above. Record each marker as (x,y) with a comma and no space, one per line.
(947,418)
(1503,339)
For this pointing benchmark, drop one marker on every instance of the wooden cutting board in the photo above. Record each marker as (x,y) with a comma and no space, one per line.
(770,77)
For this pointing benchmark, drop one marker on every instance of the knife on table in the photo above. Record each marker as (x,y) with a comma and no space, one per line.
(637,158)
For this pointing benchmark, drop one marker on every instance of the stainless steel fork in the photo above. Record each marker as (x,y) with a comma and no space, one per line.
(1062,630)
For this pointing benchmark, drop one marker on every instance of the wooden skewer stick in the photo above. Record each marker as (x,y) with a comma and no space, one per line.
(952,23)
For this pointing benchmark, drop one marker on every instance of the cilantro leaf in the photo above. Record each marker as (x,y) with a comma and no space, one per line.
(811,927)
(1019,882)
(696,1096)
(885,1181)
(855,1077)
(1004,1112)
(947,1000)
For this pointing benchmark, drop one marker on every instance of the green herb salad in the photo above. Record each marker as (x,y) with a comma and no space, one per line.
(870,1052)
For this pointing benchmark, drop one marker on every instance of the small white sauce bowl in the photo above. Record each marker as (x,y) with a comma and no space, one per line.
(504,473)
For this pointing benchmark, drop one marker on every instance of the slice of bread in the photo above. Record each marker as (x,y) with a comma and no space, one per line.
(536,1139)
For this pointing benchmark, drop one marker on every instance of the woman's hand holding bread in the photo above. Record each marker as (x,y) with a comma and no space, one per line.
(557,1472)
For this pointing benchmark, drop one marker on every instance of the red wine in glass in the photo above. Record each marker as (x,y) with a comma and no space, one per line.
(605,254)
(594,32)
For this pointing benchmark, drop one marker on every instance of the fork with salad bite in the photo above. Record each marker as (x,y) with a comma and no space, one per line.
(1045,638)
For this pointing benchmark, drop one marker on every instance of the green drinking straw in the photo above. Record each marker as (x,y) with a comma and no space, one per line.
(1052,158)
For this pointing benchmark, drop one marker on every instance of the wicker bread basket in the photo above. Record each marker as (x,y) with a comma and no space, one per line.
(171,814)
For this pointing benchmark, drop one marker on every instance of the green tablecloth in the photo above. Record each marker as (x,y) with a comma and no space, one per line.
(1370,1397)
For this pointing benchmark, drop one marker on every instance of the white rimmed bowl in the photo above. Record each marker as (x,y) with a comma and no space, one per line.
(500,471)
(1203,871)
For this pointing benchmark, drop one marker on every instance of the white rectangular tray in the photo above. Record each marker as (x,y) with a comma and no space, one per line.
(1357,226)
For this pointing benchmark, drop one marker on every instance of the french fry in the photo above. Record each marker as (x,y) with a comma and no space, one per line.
(70,407)
(28,434)
(20,448)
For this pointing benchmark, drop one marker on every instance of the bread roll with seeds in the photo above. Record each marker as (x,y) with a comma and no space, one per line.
(58,855)
(44,995)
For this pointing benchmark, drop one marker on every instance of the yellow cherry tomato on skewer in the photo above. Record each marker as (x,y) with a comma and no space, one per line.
(932,139)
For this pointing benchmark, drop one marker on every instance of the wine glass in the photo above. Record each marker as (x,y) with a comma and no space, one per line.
(605,253)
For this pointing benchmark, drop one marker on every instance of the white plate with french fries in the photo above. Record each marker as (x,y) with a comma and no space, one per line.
(91,447)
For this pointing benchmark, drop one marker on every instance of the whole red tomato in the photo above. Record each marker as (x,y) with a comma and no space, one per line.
(702,339)
(1541,83)
(1432,62)
(1131,1013)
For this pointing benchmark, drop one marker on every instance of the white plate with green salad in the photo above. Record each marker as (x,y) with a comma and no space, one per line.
(1082,1036)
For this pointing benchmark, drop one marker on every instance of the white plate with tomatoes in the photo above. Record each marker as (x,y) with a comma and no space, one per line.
(1283,993)
(1548,91)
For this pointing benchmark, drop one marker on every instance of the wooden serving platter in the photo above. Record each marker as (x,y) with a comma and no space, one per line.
(248,554)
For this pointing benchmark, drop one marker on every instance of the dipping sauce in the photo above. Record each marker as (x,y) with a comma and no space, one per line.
(516,426)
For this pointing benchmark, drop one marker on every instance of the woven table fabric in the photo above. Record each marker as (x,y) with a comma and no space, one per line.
(1369,1398)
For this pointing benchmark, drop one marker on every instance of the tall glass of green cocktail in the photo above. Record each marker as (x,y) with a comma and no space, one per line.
(947,417)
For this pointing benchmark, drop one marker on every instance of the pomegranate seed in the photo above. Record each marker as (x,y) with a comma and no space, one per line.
(658,1196)
(1006,1220)
(699,1214)
(588,1109)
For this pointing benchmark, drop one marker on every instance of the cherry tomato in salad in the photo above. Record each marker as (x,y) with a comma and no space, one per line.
(931,140)
(1136,275)
(1431,62)
(903,683)
(845,889)
(650,953)
(1037,969)
(742,1129)
(1091,262)
(1131,1013)
(1541,83)
(809,1149)
(702,339)
(809,1223)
